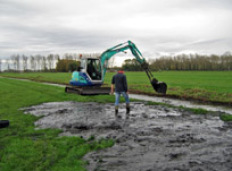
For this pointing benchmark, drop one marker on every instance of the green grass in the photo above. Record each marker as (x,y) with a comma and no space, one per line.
(202,85)
(52,77)
(226,117)
(212,86)
(24,148)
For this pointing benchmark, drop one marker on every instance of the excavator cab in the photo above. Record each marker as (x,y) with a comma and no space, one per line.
(94,69)
(89,74)
(88,79)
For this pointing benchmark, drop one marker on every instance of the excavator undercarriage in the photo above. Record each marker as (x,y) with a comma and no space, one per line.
(93,90)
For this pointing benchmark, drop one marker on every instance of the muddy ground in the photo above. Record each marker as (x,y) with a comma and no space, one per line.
(154,138)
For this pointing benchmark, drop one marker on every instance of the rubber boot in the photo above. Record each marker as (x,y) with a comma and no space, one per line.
(116,111)
(127,110)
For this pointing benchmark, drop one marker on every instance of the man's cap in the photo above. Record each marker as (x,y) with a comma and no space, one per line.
(120,71)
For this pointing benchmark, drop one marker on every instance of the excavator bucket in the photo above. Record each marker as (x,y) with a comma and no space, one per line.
(4,123)
(159,87)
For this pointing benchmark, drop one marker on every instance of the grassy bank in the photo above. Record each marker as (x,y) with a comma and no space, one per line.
(24,148)
(214,86)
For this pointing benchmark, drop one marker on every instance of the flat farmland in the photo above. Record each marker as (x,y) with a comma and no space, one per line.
(209,86)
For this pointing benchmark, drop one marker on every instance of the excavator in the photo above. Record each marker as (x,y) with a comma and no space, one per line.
(89,78)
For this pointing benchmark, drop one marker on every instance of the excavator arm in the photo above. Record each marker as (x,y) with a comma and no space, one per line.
(159,87)
(106,55)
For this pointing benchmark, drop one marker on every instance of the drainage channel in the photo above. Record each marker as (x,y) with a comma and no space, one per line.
(173,102)
(184,103)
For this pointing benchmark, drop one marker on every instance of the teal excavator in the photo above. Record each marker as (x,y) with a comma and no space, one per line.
(89,78)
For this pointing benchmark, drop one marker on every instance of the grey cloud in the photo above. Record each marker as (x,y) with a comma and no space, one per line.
(212,45)
(17,8)
(29,27)
(55,39)
(224,4)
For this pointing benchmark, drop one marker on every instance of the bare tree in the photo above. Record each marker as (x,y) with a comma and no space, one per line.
(33,64)
(25,59)
(56,58)
(44,63)
(38,59)
(17,60)
(8,64)
(13,59)
(68,56)
(50,61)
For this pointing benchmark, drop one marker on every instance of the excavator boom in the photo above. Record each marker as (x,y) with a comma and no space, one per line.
(106,55)
(159,87)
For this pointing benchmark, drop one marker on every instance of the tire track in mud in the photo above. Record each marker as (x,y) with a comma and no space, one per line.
(153,138)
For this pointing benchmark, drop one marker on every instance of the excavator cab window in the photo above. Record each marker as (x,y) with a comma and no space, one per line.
(94,69)
(83,64)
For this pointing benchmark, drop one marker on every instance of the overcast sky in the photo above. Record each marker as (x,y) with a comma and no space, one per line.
(156,26)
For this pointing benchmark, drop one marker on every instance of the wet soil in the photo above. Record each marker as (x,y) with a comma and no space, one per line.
(154,138)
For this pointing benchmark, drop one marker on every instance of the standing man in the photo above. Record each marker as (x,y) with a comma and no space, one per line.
(120,82)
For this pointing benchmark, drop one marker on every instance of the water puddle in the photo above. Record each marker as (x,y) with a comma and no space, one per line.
(153,138)
(184,103)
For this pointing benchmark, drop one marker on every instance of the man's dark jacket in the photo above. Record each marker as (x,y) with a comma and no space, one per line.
(120,82)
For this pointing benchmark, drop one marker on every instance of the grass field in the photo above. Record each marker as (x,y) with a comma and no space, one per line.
(201,85)
(24,148)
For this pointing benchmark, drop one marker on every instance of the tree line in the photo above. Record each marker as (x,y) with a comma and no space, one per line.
(39,63)
(131,65)
(185,62)
(29,63)
(52,62)
(65,65)
(193,62)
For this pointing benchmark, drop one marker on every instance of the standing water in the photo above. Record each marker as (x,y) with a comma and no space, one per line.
(184,103)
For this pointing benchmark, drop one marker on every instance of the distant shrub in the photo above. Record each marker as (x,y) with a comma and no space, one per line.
(65,65)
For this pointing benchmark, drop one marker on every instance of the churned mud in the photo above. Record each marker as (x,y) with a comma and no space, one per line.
(154,138)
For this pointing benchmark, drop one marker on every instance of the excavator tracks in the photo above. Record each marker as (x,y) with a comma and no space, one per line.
(94,90)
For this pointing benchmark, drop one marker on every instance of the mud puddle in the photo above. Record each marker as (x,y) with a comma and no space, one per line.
(154,138)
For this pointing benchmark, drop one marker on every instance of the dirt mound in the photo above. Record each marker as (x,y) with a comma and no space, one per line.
(153,138)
